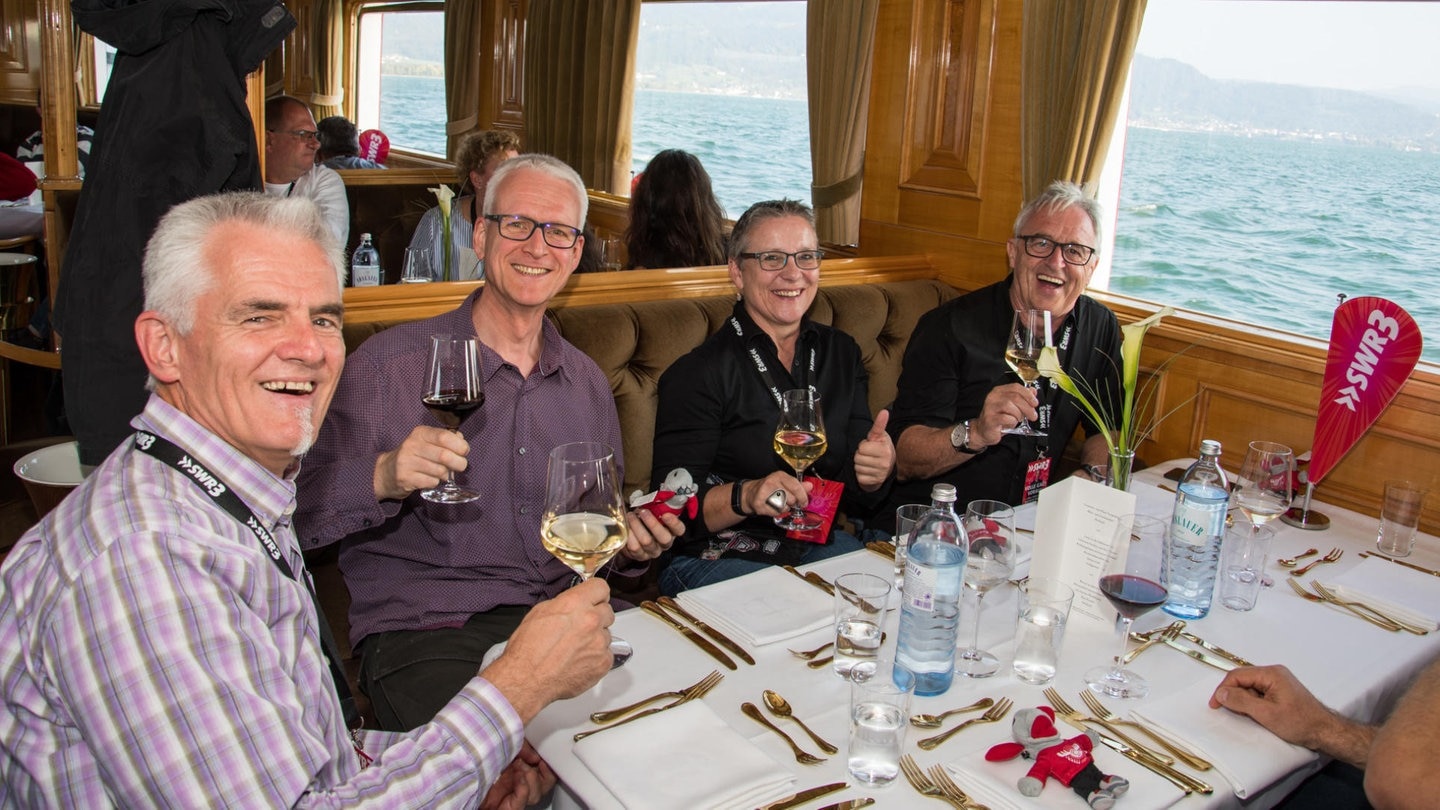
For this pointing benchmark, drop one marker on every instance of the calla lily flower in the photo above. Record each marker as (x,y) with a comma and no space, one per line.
(443,195)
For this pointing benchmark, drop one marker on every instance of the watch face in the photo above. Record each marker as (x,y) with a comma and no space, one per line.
(957,435)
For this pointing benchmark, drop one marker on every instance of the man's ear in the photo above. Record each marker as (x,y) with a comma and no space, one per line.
(159,346)
(477,237)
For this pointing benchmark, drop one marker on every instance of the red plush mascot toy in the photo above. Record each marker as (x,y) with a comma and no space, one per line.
(1067,761)
(676,496)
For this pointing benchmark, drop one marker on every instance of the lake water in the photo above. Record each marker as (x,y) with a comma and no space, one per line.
(1254,229)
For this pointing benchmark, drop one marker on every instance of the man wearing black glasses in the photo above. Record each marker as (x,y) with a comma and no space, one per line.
(433,586)
(956,394)
(291,141)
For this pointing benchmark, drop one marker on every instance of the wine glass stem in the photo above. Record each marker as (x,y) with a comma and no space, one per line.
(1124,647)
(975,622)
(450,473)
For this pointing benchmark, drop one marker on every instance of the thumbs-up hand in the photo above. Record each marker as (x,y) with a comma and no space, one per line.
(875,457)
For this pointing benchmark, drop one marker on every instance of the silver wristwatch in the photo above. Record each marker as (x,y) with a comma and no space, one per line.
(960,438)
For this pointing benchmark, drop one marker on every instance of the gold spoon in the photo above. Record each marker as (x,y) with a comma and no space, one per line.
(1290,562)
(780,707)
(934,720)
(809,655)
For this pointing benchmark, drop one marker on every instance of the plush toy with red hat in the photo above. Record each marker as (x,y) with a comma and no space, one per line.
(1068,762)
(676,496)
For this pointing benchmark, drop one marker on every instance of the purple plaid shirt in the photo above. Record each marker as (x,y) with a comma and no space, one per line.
(151,654)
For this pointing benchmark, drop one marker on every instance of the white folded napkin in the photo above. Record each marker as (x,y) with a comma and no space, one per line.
(669,760)
(1244,752)
(1410,596)
(994,783)
(764,607)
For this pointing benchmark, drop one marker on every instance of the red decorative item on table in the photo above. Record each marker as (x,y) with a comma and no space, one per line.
(1068,762)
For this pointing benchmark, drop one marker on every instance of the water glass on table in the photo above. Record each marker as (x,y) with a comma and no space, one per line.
(906,517)
(1042,609)
(1242,565)
(417,266)
(879,710)
(1399,518)
(860,601)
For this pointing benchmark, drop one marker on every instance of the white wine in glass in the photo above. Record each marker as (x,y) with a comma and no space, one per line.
(1262,491)
(1022,353)
(799,440)
(584,520)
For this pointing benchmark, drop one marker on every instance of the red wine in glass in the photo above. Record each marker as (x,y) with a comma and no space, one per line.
(1131,595)
(453,390)
(452,407)
(1134,589)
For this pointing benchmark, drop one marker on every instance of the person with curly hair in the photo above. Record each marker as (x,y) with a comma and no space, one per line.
(479,155)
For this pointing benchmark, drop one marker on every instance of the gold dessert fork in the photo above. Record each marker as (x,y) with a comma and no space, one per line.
(809,655)
(615,714)
(696,691)
(1339,600)
(924,786)
(945,783)
(1102,712)
(1314,597)
(1335,554)
(994,713)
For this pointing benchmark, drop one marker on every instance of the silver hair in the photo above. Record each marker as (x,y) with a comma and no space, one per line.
(759,212)
(1060,195)
(546,164)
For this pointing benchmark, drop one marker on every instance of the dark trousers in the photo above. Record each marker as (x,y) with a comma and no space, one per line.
(409,675)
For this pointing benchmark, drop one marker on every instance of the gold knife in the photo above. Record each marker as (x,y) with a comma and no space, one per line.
(1216,648)
(1422,569)
(822,585)
(850,804)
(805,796)
(1179,779)
(695,638)
(724,640)
(1222,664)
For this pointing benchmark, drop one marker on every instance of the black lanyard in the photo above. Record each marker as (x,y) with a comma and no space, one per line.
(807,369)
(224,497)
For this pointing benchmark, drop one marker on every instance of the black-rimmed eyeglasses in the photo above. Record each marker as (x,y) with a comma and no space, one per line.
(302,134)
(774,260)
(1042,246)
(518,228)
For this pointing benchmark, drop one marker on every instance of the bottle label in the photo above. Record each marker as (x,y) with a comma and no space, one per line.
(365,275)
(920,582)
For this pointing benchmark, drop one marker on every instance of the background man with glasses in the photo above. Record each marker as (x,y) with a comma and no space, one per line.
(956,394)
(291,141)
(434,586)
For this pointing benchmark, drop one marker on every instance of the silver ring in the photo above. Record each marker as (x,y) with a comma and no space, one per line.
(776,500)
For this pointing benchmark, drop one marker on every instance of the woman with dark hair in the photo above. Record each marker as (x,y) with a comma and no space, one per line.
(675,220)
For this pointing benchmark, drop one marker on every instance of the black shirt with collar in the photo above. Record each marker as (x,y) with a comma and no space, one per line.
(717,415)
(956,356)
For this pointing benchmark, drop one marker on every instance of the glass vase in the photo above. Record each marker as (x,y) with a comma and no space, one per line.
(1121,464)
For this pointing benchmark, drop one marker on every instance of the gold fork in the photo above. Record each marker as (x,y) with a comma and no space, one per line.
(1102,712)
(1139,754)
(1339,600)
(616,714)
(1383,624)
(994,713)
(1079,719)
(696,691)
(809,655)
(1335,554)
(945,783)
(924,786)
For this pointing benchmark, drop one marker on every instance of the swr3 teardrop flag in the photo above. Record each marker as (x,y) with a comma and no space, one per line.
(1374,345)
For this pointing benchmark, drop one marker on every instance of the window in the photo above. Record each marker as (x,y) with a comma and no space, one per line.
(726,82)
(1278,155)
(400,89)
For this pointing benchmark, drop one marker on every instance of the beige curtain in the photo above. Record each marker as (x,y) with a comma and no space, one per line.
(574,50)
(839,39)
(1075,58)
(462,70)
(328,54)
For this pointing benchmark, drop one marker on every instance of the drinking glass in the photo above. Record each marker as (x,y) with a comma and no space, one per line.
(1262,489)
(417,266)
(799,439)
(453,391)
(583,524)
(1022,353)
(990,531)
(1133,586)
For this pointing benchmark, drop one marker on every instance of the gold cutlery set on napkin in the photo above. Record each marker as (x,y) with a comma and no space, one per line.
(658,609)
(1129,747)
(1363,610)
(1171,635)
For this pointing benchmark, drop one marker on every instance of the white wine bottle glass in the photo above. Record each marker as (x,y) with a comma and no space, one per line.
(799,439)
(1262,491)
(584,520)
(453,391)
(1132,584)
(990,532)
(1022,354)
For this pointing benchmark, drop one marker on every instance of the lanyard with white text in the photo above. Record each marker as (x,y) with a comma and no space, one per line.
(224,497)
(808,369)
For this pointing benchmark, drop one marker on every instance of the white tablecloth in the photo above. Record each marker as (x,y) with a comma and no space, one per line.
(1355,667)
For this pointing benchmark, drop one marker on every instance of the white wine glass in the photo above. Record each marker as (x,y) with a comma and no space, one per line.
(799,439)
(1132,584)
(1022,353)
(990,533)
(453,391)
(584,520)
(1262,491)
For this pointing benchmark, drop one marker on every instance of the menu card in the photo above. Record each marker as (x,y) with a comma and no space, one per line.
(1081,529)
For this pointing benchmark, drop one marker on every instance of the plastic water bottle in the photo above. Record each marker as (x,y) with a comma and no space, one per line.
(1192,546)
(930,602)
(365,264)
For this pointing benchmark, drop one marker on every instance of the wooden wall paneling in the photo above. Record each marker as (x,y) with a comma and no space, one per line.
(946,106)
(19,52)
(505,93)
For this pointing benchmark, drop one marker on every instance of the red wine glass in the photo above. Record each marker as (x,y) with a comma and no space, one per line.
(453,391)
(1132,584)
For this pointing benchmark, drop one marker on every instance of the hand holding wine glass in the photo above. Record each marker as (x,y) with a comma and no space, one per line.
(453,391)
(990,532)
(1132,584)
(1262,490)
(1028,335)
(584,520)
(800,440)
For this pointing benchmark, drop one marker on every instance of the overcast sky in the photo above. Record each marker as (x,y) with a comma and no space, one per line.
(1353,45)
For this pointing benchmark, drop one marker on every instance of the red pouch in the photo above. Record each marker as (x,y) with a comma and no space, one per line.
(824,502)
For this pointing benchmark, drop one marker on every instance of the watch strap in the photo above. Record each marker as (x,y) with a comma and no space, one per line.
(736,504)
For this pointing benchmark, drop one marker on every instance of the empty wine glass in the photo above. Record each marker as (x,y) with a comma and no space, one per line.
(583,524)
(453,391)
(990,531)
(1028,336)
(1262,490)
(799,439)
(1132,584)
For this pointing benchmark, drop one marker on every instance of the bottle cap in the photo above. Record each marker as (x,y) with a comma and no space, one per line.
(944,493)
(365,236)
(1209,447)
